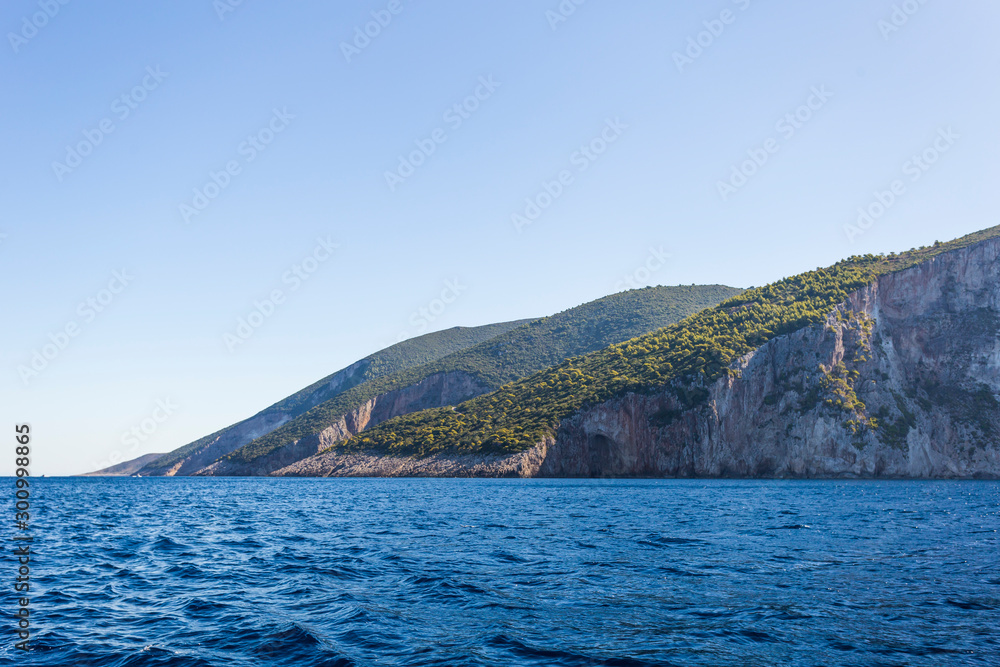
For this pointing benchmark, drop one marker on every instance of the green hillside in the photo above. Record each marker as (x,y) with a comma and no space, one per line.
(171,459)
(407,354)
(515,354)
(522,413)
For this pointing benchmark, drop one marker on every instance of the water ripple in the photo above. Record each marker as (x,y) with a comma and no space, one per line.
(262,572)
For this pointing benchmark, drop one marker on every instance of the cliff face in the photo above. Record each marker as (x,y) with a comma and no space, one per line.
(124,469)
(361,464)
(435,391)
(232,438)
(901,381)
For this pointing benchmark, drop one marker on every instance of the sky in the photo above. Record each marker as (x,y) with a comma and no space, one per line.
(208,205)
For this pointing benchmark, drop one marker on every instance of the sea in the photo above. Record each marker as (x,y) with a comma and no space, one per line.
(406,572)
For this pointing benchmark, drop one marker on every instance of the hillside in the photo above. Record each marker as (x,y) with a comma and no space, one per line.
(686,361)
(477,370)
(126,468)
(407,354)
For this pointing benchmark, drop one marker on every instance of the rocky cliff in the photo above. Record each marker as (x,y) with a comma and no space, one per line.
(901,380)
(435,391)
(124,469)
(395,359)
(360,464)
(194,457)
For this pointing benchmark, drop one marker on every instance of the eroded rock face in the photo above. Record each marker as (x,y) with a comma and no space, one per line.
(244,432)
(337,464)
(900,381)
(435,391)
(228,441)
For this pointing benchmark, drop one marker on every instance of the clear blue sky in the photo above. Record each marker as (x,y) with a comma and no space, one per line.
(681,126)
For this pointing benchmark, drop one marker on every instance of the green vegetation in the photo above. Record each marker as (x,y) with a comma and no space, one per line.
(407,354)
(975,408)
(515,354)
(402,356)
(839,384)
(893,433)
(695,352)
(170,459)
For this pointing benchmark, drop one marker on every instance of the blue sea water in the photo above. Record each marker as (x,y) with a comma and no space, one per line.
(325,572)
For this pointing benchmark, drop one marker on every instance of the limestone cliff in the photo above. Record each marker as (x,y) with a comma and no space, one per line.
(435,391)
(124,469)
(361,464)
(194,457)
(900,381)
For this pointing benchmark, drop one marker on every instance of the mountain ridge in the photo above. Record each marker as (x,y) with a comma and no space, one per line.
(405,354)
(688,359)
(476,370)
(201,453)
